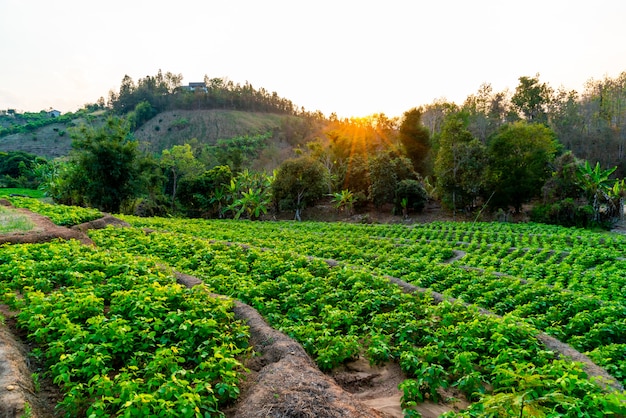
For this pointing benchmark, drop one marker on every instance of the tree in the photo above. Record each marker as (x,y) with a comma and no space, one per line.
(105,157)
(180,162)
(531,98)
(460,163)
(410,195)
(386,171)
(299,183)
(415,139)
(563,182)
(486,112)
(205,195)
(563,202)
(519,158)
(143,112)
(16,169)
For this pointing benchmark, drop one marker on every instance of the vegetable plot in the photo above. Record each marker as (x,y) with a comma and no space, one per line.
(338,313)
(560,280)
(119,336)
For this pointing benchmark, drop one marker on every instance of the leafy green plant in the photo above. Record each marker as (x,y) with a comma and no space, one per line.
(344,201)
(59,214)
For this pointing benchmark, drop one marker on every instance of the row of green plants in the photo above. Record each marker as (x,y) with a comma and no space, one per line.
(590,314)
(339,313)
(569,263)
(62,215)
(119,336)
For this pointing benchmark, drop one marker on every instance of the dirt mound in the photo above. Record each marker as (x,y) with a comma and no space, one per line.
(283,380)
(16,387)
(100,223)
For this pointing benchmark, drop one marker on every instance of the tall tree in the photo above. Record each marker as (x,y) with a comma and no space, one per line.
(486,112)
(386,171)
(180,162)
(531,99)
(106,157)
(299,182)
(460,163)
(519,158)
(415,139)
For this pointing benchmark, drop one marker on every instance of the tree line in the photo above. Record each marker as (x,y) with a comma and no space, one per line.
(153,94)
(561,151)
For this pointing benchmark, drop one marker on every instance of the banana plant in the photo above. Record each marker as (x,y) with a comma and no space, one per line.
(598,186)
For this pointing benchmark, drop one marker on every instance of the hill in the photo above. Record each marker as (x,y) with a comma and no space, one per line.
(213,127)
(176,127)
(49,141)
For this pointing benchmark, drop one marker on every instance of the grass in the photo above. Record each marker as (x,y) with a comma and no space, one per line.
(7,191)
(11,221)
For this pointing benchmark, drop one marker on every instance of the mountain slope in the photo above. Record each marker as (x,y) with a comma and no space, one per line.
(177,127)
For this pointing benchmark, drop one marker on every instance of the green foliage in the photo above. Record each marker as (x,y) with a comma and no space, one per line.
(17,169)
(205,195)
(531,99)
(566,212)
(519,157)
(460,165)
(410,195)
(563,183)
(120,337)
(30,121)
(299,183)
(386,171)
(142,113)
(415,139)
(560,292)
(105,165)
(62,215)
(179,163)
(602,192)
(344,201)
(249,194)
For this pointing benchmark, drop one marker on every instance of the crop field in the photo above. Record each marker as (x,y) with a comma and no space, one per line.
(122,338)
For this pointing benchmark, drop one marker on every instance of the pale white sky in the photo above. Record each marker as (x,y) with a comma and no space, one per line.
(352,57)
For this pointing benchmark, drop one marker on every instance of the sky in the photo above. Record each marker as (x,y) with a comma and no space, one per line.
(350,57)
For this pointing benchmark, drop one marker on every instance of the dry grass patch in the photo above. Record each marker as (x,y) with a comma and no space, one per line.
(12,221)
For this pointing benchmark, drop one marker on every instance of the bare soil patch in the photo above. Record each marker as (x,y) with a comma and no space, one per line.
(44,230)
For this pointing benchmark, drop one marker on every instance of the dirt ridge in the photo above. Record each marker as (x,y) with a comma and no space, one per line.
(284,381)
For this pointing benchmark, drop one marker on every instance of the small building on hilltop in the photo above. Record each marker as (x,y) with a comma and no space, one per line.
(193,86)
